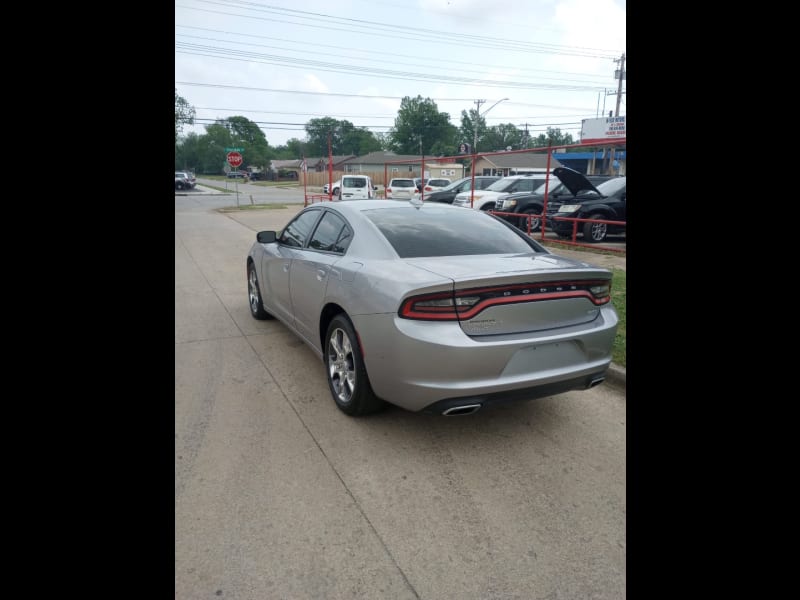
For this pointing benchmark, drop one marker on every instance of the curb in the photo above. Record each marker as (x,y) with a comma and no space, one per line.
(615,375)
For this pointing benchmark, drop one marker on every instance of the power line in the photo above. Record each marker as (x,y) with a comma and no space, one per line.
(298,63)
(306,45)
(379,30)
(338,116)
(367,96)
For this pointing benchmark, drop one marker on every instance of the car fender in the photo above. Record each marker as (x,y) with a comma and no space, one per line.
(589,209)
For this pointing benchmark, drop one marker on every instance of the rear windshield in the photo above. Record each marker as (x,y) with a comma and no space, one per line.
(436,231)
(438,182)
(354,182)
(401,183)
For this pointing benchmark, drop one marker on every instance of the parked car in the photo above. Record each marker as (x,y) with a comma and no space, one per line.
(335,186)
(464,184)
(401,188)
(184,180)
(431,307)
(533,203)
(356,187)
(606,202)
(486,199)
(434,185)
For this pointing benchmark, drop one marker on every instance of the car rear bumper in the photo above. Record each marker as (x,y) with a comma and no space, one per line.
(429,365)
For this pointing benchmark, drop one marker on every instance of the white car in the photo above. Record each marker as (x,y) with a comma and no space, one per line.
(404,188)
(336,186)
(434,185)
(356,187)
(488,198)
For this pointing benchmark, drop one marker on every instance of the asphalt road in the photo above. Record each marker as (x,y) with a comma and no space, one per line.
(280,495)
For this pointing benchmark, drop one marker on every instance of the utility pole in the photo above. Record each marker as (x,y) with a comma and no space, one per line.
(477,119)
(621,76)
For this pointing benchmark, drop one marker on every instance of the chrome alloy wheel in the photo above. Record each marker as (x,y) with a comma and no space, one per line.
(252,291)
(341,366)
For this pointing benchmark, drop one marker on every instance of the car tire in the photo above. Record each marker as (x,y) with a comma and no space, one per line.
(488,206)
(346,372)
(536,224)
(335,191)
(254,295)
(594,233)
(178,186)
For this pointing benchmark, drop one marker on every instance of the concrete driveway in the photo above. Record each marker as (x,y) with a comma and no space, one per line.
(280,495)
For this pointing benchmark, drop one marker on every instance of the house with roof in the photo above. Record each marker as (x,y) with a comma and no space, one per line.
(313,164)
(403,165)
(514,163)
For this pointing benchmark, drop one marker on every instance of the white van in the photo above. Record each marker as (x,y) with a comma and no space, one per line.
(356,187)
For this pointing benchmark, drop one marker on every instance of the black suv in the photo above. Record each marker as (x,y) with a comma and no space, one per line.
(464,184)
(527,203)
(606,202)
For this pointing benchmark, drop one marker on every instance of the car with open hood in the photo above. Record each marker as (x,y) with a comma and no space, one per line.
(526,203)
(605,202)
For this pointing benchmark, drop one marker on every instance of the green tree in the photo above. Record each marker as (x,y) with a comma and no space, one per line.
(294,148)
(469,121)
(345,138)
(184,114)
(248,135)
(500,137)
(419,128)
(553,137)
(212,146)
(187,154)
(317,132)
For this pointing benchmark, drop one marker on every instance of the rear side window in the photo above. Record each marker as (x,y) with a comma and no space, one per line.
(435,231)
(332,234)
(296,233)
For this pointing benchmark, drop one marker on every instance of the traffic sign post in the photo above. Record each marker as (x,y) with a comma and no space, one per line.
(235,159)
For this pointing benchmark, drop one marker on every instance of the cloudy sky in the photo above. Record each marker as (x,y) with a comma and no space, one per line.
(281,63)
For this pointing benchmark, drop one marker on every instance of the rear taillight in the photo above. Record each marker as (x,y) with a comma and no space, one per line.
(428,188)
(388,190)
(466,304)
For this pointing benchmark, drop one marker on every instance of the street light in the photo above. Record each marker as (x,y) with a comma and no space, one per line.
(477,120)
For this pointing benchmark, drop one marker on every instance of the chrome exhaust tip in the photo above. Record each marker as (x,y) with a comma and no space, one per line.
(465,409)
(597,381)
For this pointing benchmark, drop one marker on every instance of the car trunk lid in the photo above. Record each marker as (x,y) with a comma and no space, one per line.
(525,293)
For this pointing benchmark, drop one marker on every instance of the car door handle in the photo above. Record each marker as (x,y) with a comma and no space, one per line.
(285,267)
(321,274)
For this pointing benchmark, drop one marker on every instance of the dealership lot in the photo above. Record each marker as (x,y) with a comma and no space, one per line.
(279,494)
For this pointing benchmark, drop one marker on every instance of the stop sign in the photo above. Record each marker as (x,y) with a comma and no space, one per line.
(234,159)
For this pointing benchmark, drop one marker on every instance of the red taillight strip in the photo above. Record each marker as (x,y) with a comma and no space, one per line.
(409,309)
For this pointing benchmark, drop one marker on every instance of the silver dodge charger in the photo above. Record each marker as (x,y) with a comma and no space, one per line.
(432,307)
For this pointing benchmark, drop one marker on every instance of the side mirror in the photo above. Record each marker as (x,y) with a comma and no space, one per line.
(375,187)
(265,237)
